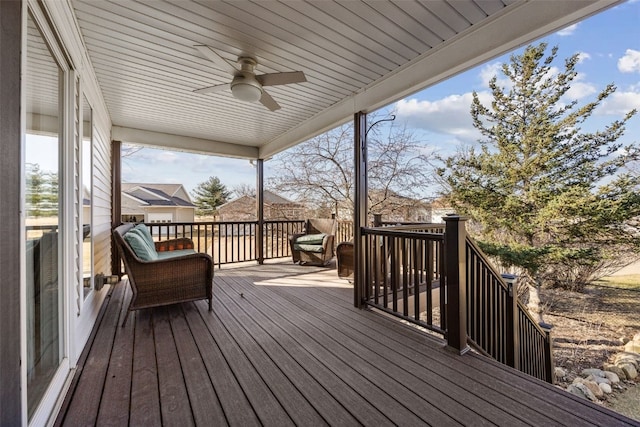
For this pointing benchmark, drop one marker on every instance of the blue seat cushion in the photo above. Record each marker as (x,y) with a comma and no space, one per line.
(176,253)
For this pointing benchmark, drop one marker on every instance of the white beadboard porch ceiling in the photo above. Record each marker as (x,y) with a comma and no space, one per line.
(356,55)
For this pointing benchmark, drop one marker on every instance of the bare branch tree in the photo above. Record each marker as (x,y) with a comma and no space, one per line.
(320,171)
(128,150)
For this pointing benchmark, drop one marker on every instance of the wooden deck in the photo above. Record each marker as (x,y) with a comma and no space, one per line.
(285,346)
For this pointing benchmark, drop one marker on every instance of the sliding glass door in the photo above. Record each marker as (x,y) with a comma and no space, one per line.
(43,243)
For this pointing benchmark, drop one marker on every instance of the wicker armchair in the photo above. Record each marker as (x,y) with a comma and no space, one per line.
(179,274)
(316,245)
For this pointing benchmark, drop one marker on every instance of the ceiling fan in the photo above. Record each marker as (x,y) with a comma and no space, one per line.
(246,85)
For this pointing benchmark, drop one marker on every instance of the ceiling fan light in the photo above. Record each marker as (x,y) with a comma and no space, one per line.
(246,92)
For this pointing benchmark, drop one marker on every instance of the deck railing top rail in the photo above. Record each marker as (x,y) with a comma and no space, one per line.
(404,231)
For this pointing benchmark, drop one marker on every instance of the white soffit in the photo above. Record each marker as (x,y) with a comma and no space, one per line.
(356,55)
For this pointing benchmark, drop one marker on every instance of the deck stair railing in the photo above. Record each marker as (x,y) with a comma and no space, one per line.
(435,276)
(498,322)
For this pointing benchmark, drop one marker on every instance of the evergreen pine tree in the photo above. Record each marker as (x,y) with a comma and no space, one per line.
(209,195)
(546,196)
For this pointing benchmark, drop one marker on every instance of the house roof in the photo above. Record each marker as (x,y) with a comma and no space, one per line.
(157,194)
(269,197)
(356,56)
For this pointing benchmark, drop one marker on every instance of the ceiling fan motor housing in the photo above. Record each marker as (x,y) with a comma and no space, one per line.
(244,85)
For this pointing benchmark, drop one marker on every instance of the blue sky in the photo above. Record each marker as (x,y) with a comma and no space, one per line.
(609,48)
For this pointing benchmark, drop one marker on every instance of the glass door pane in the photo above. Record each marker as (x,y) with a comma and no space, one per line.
(42,188)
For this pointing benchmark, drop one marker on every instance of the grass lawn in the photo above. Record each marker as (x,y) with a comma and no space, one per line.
(631,281)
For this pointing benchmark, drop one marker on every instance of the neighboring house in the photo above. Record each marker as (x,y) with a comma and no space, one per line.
(440,209)
(275,207)
(158,203)
(395,207)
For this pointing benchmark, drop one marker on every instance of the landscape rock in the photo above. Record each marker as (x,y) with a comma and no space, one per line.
(629,370)
(632,346)
(593,371)
(627,357)
(636,337)
(612,376)
(581,390)
(601,380)
(594,388)
(606,388)
(616,370)
(559,372)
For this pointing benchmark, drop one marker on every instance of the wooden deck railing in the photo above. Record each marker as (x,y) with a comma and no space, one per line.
(403,270)
(345,231)
(499,324)
(438,278)
(232,241)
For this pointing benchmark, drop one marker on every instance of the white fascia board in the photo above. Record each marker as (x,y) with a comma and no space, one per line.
(151,193)
(183,143)
(184,191)
(517,24)
(140,202)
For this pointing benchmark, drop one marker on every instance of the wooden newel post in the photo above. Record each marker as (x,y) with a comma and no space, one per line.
(377,220)
(549,364)
(513,344)
(456,282)
(260,243)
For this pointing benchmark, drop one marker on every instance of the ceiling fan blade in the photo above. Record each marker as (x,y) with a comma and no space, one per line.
(211,89)
(215,57)
(268,101)
(274,79)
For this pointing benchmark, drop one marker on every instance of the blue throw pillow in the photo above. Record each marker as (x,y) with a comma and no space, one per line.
(150,244)
(144,230)
(140,247)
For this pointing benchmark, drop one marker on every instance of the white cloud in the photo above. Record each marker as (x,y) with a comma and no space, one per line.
(620,103)
(583,56)
(630,62)
(567,31)
(448,116)
(488,71)
(580,89)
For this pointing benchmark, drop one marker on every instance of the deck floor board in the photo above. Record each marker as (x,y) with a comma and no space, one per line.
(94,370)
(171,383)
(114,411)
(285,346)
(201,393)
